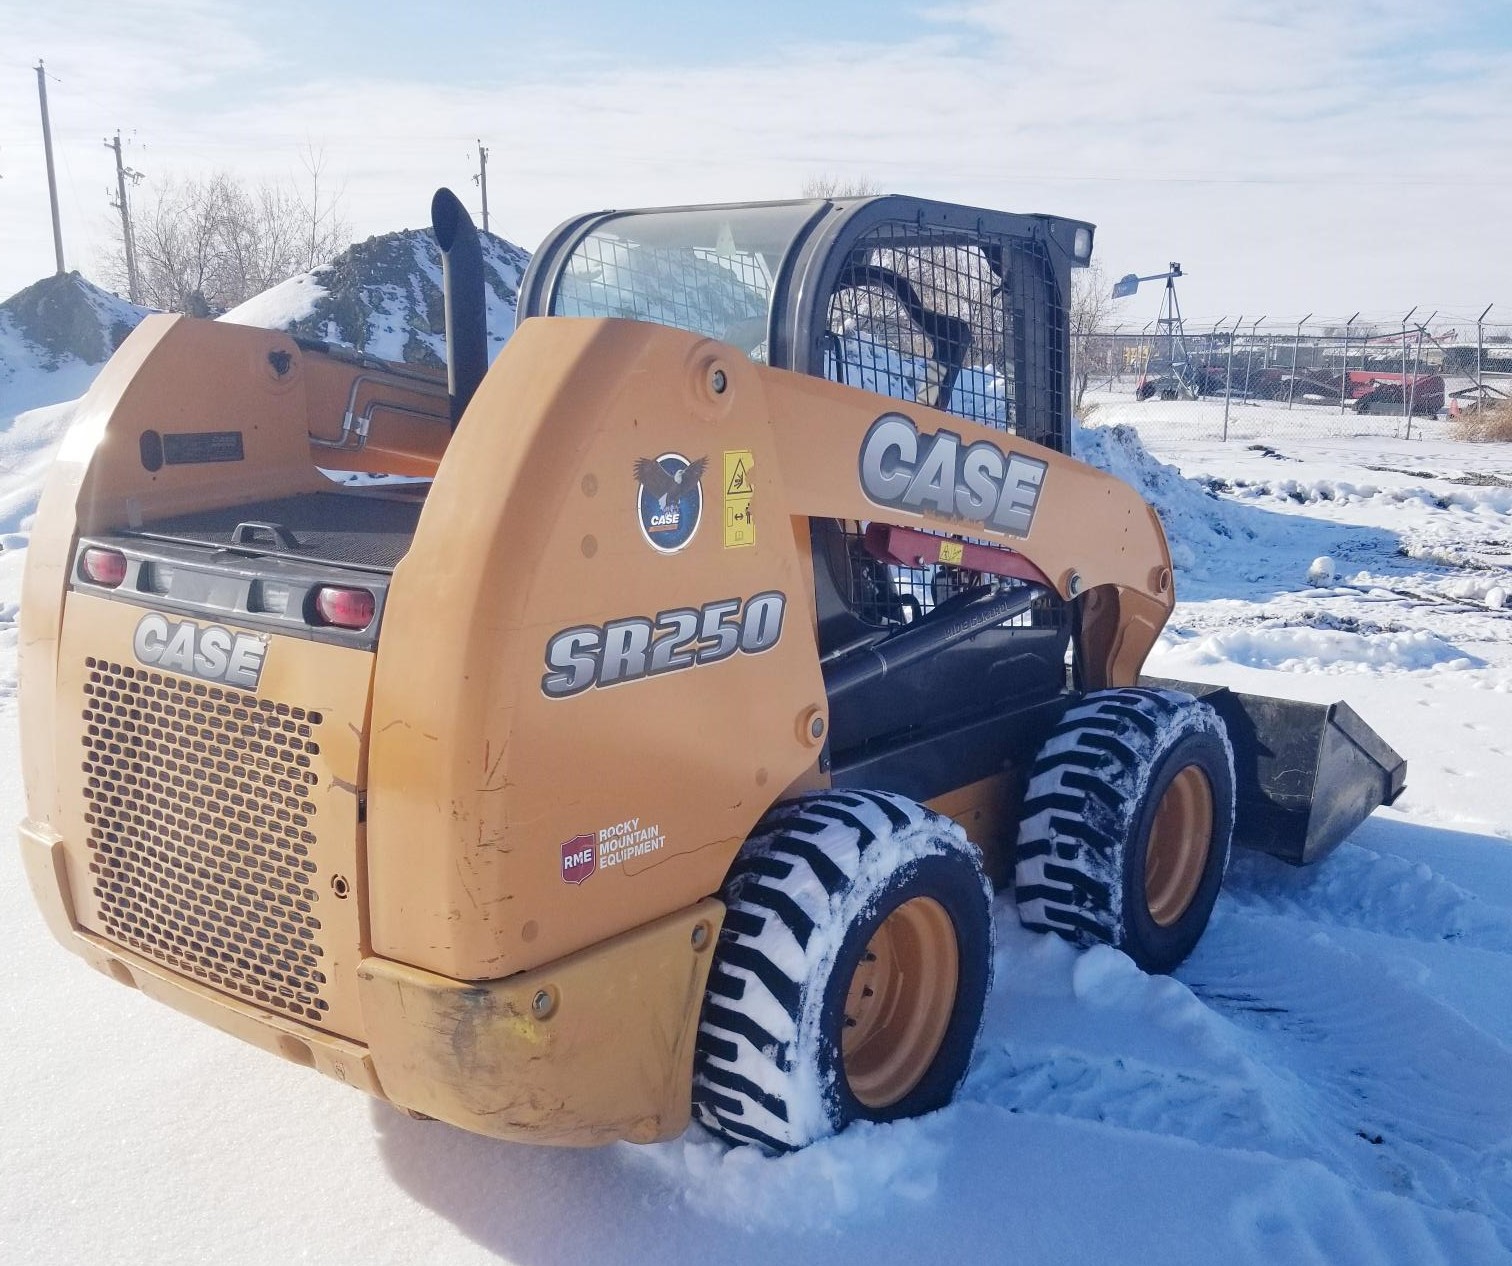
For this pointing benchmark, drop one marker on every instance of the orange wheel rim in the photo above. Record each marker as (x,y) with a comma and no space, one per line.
(899,1002)
(1180,838)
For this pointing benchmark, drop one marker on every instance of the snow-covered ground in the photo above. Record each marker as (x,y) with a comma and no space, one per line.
(1327,1080)
(1210,417)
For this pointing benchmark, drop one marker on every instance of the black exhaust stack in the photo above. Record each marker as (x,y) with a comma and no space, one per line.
(462,286)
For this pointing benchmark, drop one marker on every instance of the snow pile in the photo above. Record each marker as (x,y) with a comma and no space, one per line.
(59,323)
(1196,523)
(1476,500)
(1306,650)
(383,297)
(26,451)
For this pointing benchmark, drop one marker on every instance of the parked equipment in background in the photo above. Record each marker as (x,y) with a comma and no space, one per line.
(654,748)
(1371,391)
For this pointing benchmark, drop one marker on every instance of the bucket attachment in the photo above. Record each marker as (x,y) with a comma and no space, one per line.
(1306,774)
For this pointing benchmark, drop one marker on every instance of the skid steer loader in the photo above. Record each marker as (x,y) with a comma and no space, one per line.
(654,744)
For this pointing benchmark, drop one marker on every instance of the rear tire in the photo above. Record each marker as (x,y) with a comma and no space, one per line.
(1127,823)
(851,972)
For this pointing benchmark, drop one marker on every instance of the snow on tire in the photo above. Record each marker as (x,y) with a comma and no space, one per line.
(851,971)
(1126,825)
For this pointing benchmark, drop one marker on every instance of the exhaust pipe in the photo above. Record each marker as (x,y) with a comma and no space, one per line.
(462,288)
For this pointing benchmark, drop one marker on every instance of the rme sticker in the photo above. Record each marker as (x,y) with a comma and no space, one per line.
(585,855)
(579,859)
(635,648)
(937,474)
(209,651)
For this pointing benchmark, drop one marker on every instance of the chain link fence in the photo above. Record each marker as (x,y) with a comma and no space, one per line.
(1253,382)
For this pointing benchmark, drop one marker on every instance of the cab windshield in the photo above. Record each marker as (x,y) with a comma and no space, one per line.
(709,271)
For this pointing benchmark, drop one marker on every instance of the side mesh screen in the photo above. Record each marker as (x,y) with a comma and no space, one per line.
(966,323)
(961,322)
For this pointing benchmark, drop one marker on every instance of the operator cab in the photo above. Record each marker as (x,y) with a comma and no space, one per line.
(955,308)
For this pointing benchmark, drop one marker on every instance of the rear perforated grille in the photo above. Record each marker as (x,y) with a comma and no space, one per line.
(200,831)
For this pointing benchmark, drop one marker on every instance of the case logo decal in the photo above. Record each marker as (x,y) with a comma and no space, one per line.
(937,474)
(669,500)
(209,652)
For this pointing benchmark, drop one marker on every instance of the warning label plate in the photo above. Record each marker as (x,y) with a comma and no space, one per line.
(739,525)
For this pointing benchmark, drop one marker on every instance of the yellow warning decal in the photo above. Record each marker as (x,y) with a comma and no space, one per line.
(739,525)
(952,551)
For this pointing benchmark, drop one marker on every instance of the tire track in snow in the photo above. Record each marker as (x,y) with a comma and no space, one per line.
(1357,887)
(1403,1093)
(1140,1053)
(1279,1040)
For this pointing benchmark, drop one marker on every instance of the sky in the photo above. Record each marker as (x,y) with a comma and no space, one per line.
(1296,158)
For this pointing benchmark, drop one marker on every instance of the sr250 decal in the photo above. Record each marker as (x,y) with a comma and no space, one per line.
(635,648)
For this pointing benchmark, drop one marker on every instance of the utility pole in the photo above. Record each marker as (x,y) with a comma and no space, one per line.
(122,174)
(52,179)
(481,180)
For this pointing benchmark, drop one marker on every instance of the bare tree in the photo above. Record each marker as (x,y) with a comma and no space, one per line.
(205,245)
(827,186)
(325,232)
(1091,303)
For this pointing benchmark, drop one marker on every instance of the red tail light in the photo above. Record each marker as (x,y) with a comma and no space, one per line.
(344,608)
(105,567)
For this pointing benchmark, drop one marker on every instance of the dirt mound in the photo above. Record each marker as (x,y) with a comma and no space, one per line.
(383,297)
(62,319)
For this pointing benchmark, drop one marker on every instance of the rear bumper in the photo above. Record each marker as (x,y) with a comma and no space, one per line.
(595,1047)
(590,1049)
(45,860)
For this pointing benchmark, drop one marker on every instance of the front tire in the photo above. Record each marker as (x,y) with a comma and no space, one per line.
(851,972)
(1127,824)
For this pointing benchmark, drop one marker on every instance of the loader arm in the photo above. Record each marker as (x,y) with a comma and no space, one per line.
(1090,536)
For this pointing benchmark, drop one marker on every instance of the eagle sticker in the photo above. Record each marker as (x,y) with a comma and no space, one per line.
(670,500)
